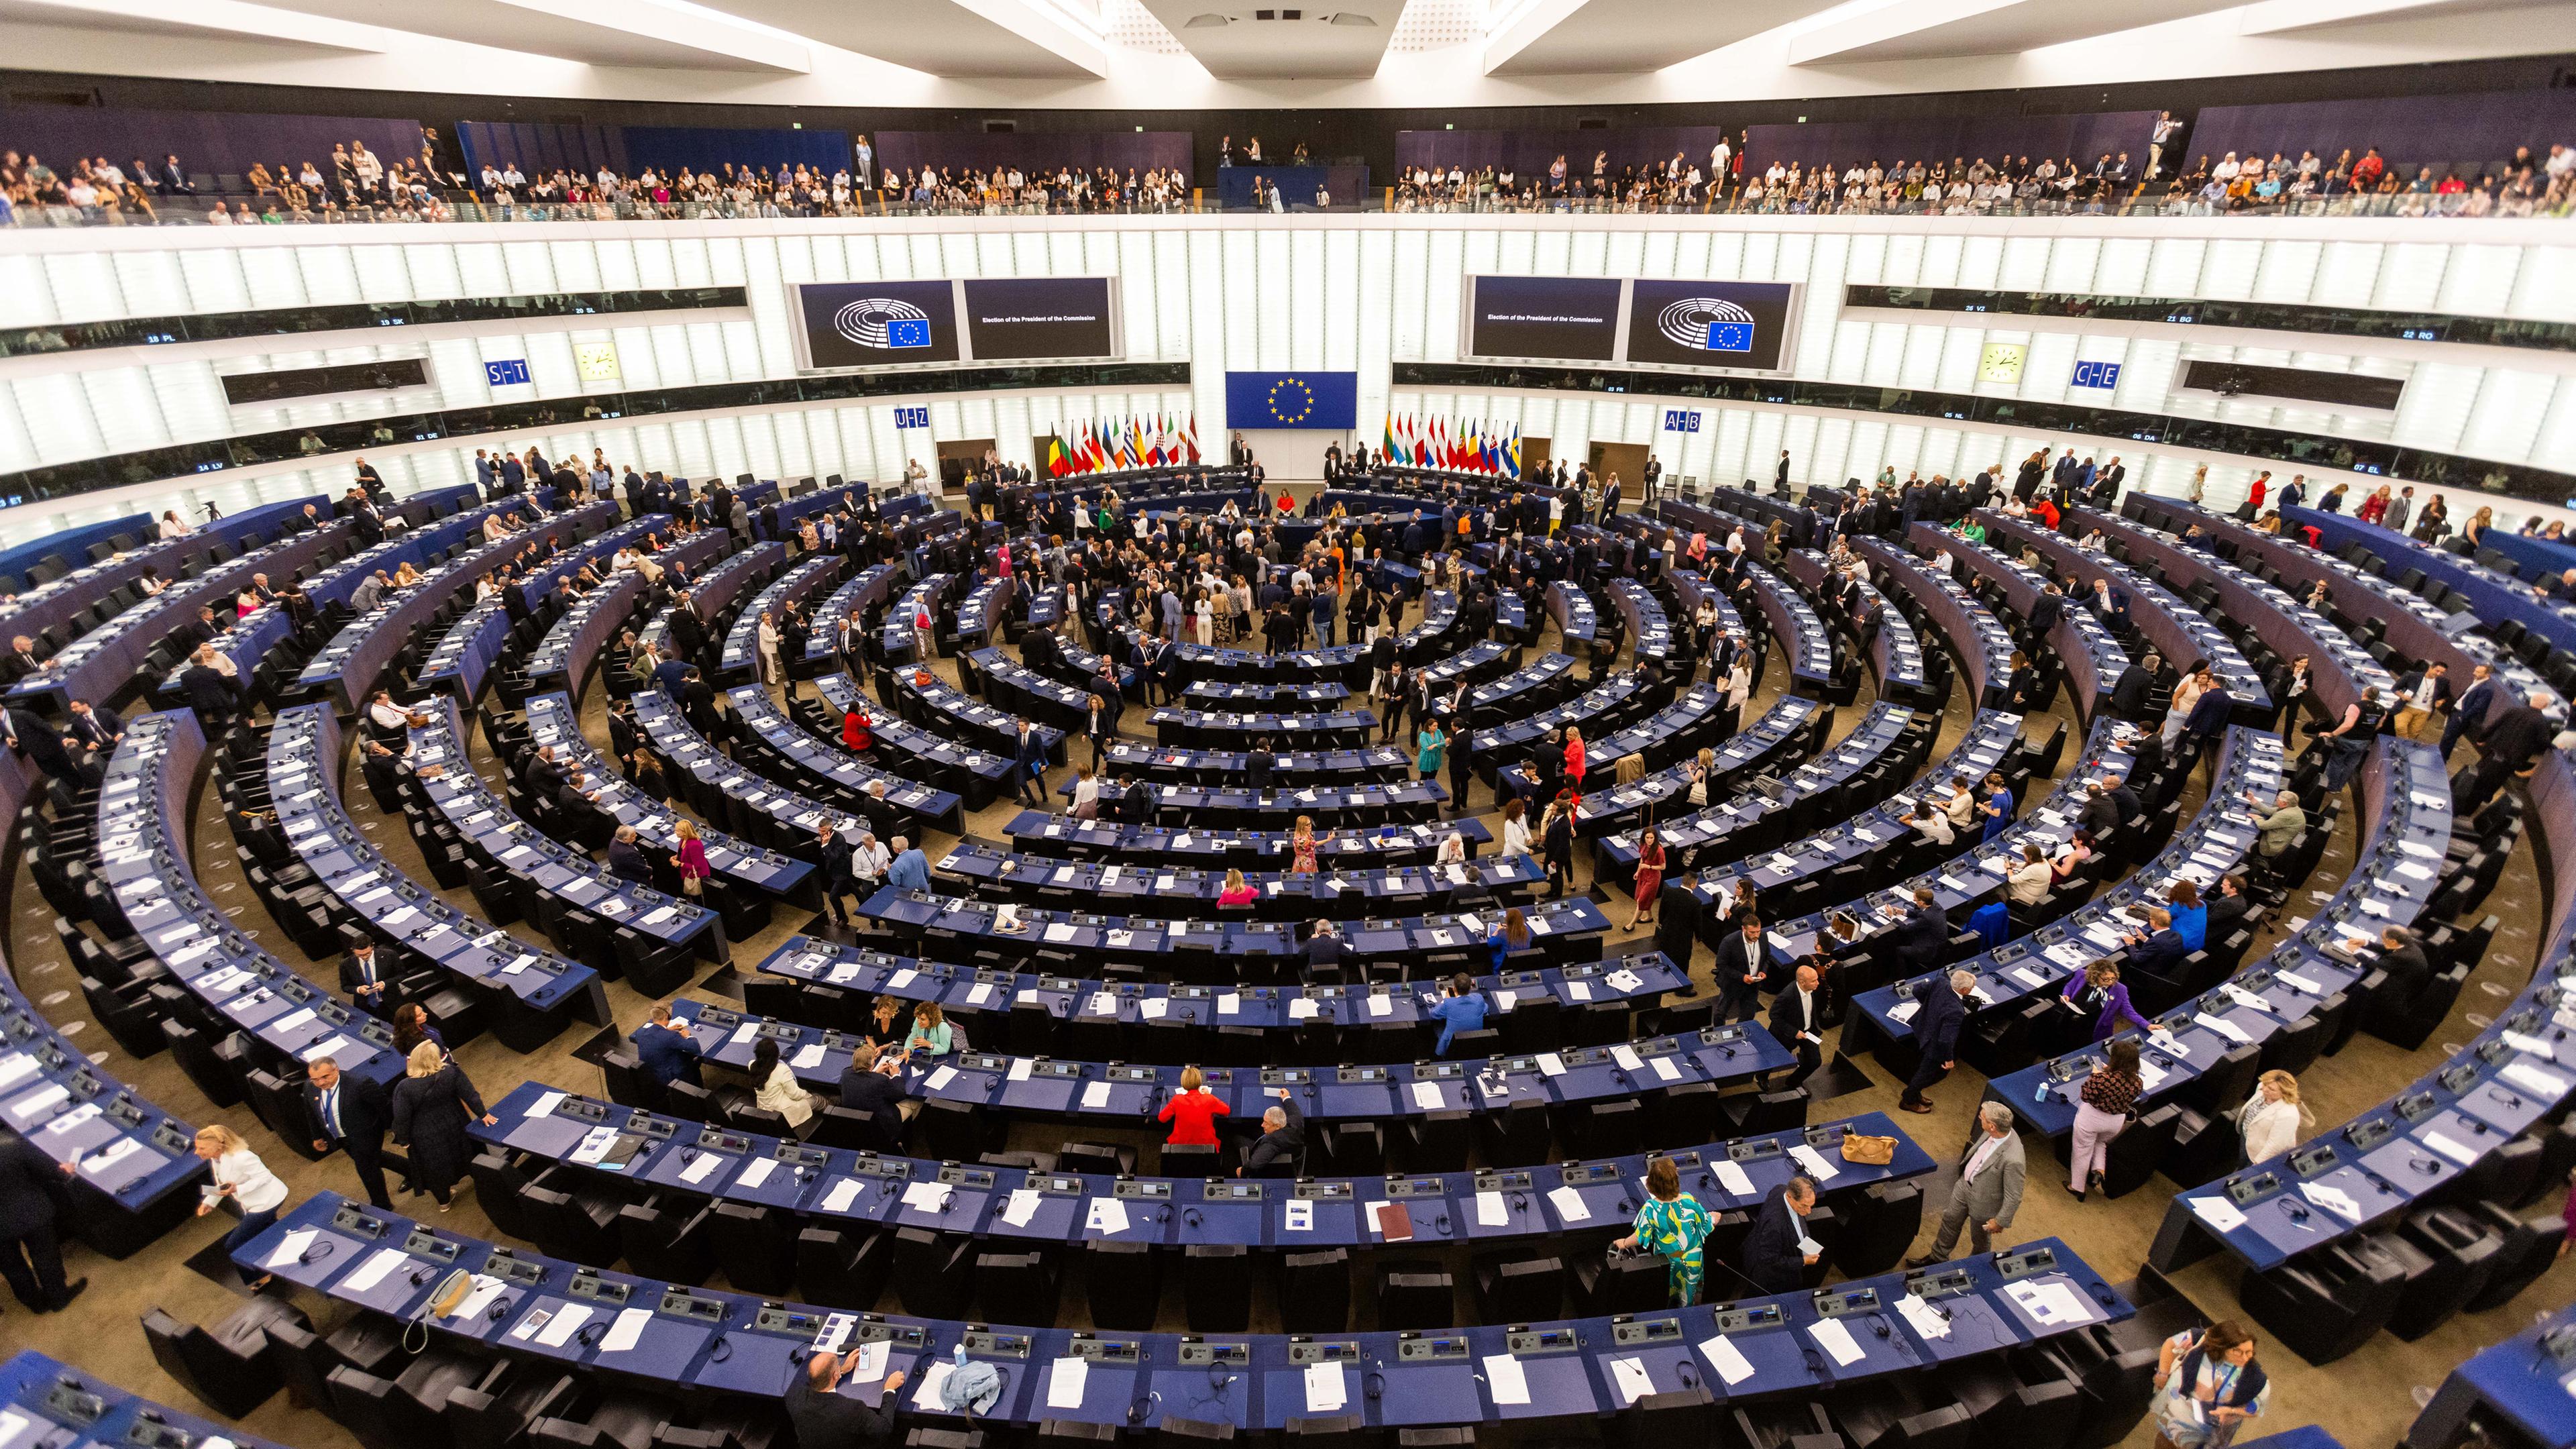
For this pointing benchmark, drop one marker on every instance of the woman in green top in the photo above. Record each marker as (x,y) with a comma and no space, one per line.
(1673,1224)
(931,1036)
(1971,530)
(1430,745)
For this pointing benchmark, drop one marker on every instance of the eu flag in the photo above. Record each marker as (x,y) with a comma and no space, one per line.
(1730,337)
(907,332)
(1292,399)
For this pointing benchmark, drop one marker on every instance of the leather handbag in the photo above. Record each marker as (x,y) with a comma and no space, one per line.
(1867,1150)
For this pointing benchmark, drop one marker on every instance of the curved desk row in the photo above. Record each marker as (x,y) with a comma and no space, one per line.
(1649,632)
(899,641)
(1794,725)
(1052,882)
(944,709)
(527,593)
(1348,663)
(752,807)
(2496,595)
(530,994)
(981,613)
(718,587)
(58,602)
(71,1409)
(2212,844)
(1168,765)
(1607,706)
(799,761)
(2286,626)
(344,670)
(563,658)
(1742,818)
(1222,809)
(862,591)
(1122,1094)
(2414,626)
(2092,658)
(1099,1002)
(799,585)
(1569,605)
(1137,846)
(554,720)
(976,776)
(1977,638)
(2182,632)
(1565,930)
(706,1341)
(1895,654)
(1050,702)
(1024,1205)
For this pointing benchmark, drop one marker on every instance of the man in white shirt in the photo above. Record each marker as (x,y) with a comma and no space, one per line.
(1797,1020)
(869,862)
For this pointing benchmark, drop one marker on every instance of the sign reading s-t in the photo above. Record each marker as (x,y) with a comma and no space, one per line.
(508,372)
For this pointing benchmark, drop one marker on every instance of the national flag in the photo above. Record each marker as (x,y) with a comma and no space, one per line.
(1512,459)
(1389,448)
(1190,438)
(1056,464)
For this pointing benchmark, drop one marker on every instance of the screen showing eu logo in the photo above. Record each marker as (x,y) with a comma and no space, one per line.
(1730,337)
(2104,375)
(509,372)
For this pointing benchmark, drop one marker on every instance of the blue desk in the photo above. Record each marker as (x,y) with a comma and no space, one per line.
(1322,769)
(2093,659)
(664,1154)
(705,1340)
(1608,706)
(741,657)
(1336,807)
(2214,842)
(592,553)
(1133,1009)
(2519,1380)
(718,587)
(1539,685)
(2182,632)
(1983,647)
(1736,815)
(55,603)
(553,720)
(799,760)
(70,1408)
(1348,729)
(1571,609)
(1052,882)
(532,995)
(1413,842)
(1208,693)
(1895,655)
(981,613)
(854,597)
(467,651)
(1563,930)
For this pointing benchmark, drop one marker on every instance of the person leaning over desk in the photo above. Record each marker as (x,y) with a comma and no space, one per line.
(1672,1224)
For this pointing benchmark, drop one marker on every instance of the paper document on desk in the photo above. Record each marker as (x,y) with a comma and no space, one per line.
(1834,1339)
(1503,1376)
(1022,1207)
(1918,1315)
(2052,1304)
(566,1322)
(1815,1163)
(1732,1177)
(1551,1064)
(1066,1380)
(1665,1069)
(807,1058)
(941,1078)
(285,1254)
(1095,1095)
(2220,1214)
(1569,1205)
(1426,1095)
(2333,1199)
(1020,1069)
(925,1197)
(1107,1215)
(1490,1211)
(1300,1217)
(757,1173)
(1327,1388)
(843,1193)
(2533,1079)
(1727,1359)
(1629,1376)
(373,1271)
(2223,1027)
(2450,1149)
(933,1379)
(485,1290)
(627,1331)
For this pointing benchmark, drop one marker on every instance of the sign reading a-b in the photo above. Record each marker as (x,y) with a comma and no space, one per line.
(1680,420)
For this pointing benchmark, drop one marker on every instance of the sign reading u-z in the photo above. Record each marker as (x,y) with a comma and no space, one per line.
(912,417)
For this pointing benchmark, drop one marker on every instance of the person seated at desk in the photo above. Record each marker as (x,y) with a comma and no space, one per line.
(1773,1259)
(667,1050)
(2029,882)
(1192,1111)
(1238,892)
(2281,824)
(1931,824)
(931,1035)
(2071,860)
(626,859)
(825,1419)
(2097,994)
(2160,948)
(873,1083)
(1282,1141)
(1324,953)
(775,1088)
(885,1024)
(1461,1008)
(1920,936)
(1509,933)
(2190,916)
(2401,958)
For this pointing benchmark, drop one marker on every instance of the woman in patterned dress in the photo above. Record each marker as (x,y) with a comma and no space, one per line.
(1674,1225)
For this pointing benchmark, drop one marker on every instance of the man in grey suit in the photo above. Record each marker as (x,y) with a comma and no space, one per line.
(1988,1191)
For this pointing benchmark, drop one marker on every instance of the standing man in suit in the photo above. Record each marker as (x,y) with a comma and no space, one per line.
(351,1114)
(30,1257)
(1936,1031)
(2469,711)
(2419,695)
(1780,474)
(1988,1192)
(1797,1019)
(362,977)
(1739,971)
(1772,1258)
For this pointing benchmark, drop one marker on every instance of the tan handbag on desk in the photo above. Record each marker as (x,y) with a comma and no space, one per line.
(1868,1151)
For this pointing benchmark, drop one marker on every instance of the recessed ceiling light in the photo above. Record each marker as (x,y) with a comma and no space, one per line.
(1208,20)
(1352,17)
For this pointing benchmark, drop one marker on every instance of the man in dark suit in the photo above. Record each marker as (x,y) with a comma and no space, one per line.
(208,692)
(1028,766)
(1324,953)
(1740,968)
(2160,948)
(2123,798)
(2045,611)
(666,1048)
(1283,1140)
(21,660)
(626,857)
(698,702)
(1936,1032)
(2401,958)
(351,1114)
(1797,1019)
(671,676)
(1922,935)
(30,1183)
(2132,697)
(2227,907)
(1772,1258)
(837,880)
(1256,765)
(2469,712)
(866,1086)
(2512,743)
(95,728)
(362,979)
(688,631)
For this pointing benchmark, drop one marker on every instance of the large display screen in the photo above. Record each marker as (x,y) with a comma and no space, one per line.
(1573,318)
(1019,318)
(1708,324)
(878,324)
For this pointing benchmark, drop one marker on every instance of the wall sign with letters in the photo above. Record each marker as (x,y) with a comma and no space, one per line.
(1680,420)
(912,417)
(507,372)
(2104,375)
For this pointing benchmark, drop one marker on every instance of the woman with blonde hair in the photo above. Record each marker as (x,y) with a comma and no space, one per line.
(2272,1118)
(691,859)
(931,1034)
(1237,892)
(241,1176)
(1192,1112)
(432,1105)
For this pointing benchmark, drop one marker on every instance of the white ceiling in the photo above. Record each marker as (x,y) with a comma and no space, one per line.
(1219,55)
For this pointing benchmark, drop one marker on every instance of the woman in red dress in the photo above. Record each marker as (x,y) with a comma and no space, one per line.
(1650,878)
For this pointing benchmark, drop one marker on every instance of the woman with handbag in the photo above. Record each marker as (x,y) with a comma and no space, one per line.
(691,861)
(2208,1386)
(2101,1113)
(1673,1225)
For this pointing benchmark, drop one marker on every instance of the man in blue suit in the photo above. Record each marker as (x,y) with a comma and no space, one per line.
(1771,1256)
(1936,1030)
(669,1053)
(2161,949)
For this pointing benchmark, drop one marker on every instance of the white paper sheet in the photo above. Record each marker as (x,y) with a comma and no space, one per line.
(926,1397)
(1815,1163)
(1665,1069)
(1732,1176)
(545,1104)
(1836,1340)
(1918,1315)
(1327,1388)
(1300,1217)
(2450,1149)
(1426,1095)
(925,1197)
(372,1272)
(566,1322)
(1503,1378)
(700,1168)
(286,1252)
(941,1078)
(1095,1095)
(843,1193)
(1106,1215)
(1065,1384)
(1491,1211)
(2221,1215)
(1569,1205)
(627,1331)
(1727,1359)
(757,1172)
(1629,1376)
(1022,1206)
(1550,1064)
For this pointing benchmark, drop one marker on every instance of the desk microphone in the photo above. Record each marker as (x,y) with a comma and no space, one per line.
(1444,1225)
(720,1350)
